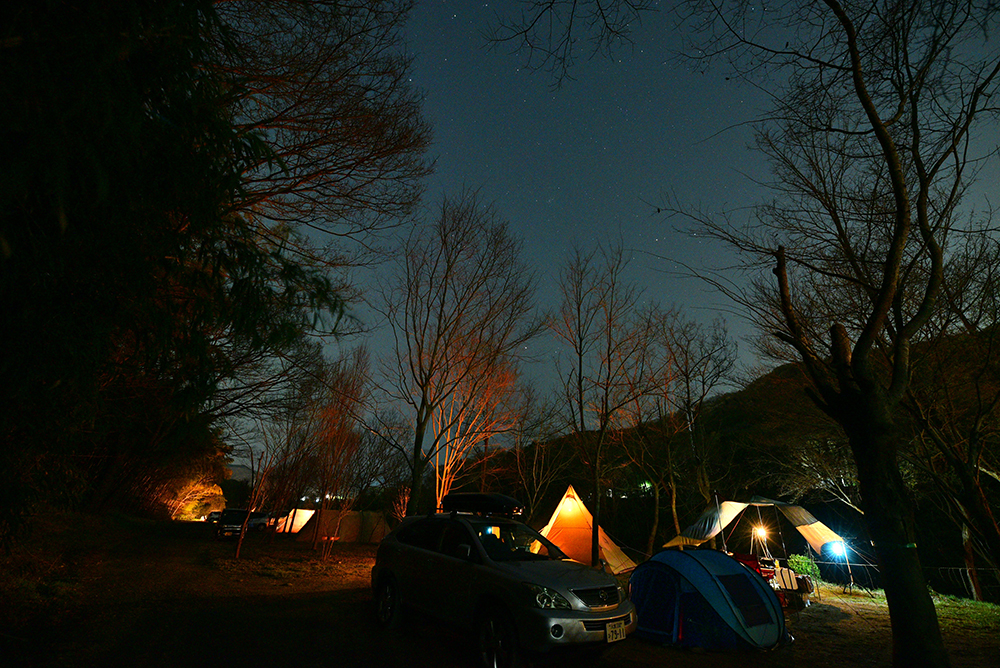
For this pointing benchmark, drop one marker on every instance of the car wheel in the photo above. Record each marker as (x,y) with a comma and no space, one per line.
(388,605)
(497,640)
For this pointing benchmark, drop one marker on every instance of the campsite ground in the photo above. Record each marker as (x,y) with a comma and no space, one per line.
(89,592)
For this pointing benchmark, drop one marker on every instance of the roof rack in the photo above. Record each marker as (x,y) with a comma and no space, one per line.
(482,504)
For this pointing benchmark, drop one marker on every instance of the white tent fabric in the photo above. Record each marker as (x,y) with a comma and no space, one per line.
(713,520)
(571,527)
(352,526)
(293,521)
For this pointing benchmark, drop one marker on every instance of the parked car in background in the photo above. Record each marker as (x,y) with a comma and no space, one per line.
(479,569)
(213,516)
(259,521)
(231,521)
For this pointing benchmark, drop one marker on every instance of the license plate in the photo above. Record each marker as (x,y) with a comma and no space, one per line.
(616,631)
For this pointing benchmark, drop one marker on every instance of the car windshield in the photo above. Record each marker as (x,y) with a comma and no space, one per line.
(513,541)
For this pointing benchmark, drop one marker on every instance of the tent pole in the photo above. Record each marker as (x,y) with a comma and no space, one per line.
(718,510)
(762,539)
(850,575)
(781,534)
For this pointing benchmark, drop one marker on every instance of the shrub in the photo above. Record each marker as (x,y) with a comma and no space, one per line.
(803,564)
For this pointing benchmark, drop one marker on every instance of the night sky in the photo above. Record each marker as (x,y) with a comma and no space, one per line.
(588,161)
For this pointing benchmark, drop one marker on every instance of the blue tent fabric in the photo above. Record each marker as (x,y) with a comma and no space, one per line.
(706,599)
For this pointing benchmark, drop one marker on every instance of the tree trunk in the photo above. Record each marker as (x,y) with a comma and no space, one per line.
(417,467)
(970,563)
(595,547)
(673,504)
(977,507)
(413,506)
(916,636)
(656,521)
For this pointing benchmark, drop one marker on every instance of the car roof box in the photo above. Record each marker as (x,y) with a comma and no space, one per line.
(481,504)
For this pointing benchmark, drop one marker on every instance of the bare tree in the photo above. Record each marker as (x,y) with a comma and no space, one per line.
(540,457)
(646,436)
(694,360)
(611,359)
(702,358)
(872,148)
(336,439)
(326,86)
(460,305)
(547,32)
(873,144)
(954,398)
(462,423)
(286,418)
(802,451)
(321,91)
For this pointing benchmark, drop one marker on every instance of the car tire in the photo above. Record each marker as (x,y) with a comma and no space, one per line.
(388,603)
(497,640)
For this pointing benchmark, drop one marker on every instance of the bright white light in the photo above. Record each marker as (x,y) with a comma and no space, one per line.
(760,532)
(838,549)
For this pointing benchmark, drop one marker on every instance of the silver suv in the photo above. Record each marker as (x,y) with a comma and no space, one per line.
(498,577)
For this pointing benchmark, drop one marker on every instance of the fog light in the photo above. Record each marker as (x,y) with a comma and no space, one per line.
(556,631)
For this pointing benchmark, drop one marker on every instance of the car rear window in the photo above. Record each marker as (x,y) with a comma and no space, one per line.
(425,534)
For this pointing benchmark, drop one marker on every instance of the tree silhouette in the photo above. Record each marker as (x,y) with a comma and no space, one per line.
(612,358)
(460,305)
(873,150)
(872,142)
(163,165)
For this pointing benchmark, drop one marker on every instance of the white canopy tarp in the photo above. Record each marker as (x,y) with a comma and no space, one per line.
(716,518)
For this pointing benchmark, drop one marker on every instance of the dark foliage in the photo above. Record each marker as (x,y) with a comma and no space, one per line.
(124,280)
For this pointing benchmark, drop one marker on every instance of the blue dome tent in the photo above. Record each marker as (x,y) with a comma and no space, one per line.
(706,599)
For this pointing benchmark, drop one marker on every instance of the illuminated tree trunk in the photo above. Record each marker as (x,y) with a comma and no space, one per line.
(461,308)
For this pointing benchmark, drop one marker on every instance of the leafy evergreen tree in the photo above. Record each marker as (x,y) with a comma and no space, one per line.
(136,276)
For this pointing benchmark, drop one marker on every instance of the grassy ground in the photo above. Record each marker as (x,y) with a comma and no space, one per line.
(123,592)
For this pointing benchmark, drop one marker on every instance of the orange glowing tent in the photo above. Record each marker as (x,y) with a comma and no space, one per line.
(571,527)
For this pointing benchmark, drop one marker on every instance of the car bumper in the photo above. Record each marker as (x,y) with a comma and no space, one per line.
(544,630)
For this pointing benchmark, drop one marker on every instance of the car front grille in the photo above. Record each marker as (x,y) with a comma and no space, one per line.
(598,597)
(599,624)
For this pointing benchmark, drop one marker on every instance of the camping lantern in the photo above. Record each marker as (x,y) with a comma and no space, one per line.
(758,543)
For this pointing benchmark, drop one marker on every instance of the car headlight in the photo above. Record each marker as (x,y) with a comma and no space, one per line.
(548,599)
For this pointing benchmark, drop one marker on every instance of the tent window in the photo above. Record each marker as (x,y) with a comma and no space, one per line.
(747,599)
